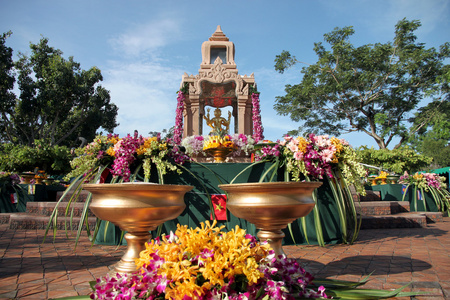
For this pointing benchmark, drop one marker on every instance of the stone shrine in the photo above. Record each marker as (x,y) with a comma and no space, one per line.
(217,85)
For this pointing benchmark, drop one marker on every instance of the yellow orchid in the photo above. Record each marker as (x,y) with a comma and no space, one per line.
(207,251)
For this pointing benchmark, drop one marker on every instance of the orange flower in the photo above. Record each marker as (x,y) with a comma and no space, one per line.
(218,256)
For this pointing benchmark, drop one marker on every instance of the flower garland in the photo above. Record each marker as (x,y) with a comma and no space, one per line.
(256,118)
(206,263)
(178,132)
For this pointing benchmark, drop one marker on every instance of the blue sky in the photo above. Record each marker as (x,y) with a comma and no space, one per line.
(144,47)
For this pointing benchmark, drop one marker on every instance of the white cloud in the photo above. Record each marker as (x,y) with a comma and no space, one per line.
(147,38)
(145,94)
(143,88)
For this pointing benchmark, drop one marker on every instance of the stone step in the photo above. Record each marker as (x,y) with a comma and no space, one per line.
(4,218)
(371,196)
(33,221)
(81,197)
(432,217)
(46,208)
(377,208)
(400,220)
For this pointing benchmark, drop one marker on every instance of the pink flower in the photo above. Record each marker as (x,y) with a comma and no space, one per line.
(298,155)
(327,154)
(293,146)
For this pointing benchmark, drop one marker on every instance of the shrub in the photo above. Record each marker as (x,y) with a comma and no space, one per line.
(20,158)
(396,160)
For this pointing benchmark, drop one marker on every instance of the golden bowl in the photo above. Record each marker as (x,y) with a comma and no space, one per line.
(219,154)
(271,206)
(136,208)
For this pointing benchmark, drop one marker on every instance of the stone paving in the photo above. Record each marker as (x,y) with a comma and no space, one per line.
(31,269)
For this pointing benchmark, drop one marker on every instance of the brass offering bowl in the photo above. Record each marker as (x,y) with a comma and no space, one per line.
(219,154)
(136,208)
(271,206)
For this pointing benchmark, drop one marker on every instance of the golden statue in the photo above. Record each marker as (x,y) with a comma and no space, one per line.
(218,121)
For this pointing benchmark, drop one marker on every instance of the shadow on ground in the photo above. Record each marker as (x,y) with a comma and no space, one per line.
(374,235)
(365,265)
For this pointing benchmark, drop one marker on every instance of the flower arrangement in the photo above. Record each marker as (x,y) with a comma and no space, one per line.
(243,143)
(424,180)
(316,157)
(381,176)
(217,141)
(427,182)
(10,178)
(9,190)
(193,144)
(206,263)
(122,153)
(197,144)
(320,157)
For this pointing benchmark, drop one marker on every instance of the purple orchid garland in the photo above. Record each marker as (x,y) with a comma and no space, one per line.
(178,132)
(256,117)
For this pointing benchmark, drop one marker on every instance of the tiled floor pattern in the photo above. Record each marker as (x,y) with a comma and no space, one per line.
(33,269)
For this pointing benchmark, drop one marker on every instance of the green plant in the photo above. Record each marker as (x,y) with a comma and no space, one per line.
(396,160)
(21,158)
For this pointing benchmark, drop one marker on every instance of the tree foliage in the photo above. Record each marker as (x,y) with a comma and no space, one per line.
(373,88)
(53,160)
(433,139)
(7,97)
(397,160)
(58,101)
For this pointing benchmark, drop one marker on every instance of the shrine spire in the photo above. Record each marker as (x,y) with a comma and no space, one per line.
(218,35)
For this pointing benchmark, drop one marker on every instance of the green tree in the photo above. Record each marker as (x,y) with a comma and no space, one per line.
(7,97)
(58,103)
(433,139)
(373,88)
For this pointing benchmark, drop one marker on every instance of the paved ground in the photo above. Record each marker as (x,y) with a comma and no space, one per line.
(30,269)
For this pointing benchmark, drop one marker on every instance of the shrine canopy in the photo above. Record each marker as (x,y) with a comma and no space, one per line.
(218,86)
